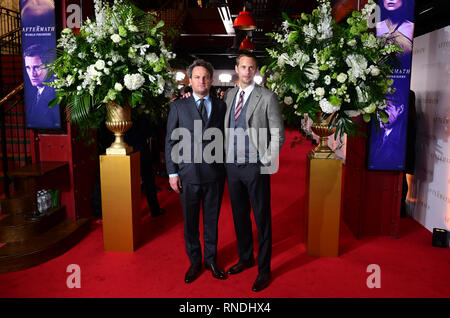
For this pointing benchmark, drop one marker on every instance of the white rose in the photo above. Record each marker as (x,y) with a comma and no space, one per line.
(320,91)
(133,81)
(327,107)
(352,42)
(288,100)
(341,78)
(375,71)
(116,38)
(118,87)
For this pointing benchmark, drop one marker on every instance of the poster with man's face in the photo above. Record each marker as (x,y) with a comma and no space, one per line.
(387,143)
(38,46)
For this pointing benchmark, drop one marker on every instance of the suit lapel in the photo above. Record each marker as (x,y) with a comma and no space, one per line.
(229,101)
(193,108)
(253,102)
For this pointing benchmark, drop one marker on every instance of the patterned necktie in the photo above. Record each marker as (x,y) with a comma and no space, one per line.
(202,110)
(239,106)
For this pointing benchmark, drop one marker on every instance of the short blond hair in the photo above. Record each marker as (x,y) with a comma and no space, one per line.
(246,55)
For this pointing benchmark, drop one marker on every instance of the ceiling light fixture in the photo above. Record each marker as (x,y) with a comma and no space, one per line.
(247,45)
(244,21)
(225,78)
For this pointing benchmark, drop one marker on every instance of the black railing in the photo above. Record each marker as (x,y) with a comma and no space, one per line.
(14,145)
(9,22)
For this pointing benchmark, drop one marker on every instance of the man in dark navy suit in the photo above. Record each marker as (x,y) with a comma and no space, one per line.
(198,179)
(38,114)
(387,149)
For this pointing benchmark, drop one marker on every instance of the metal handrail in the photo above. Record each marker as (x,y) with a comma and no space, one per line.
(11,94)
(13,131)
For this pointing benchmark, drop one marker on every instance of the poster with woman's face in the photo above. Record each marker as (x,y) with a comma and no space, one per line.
(38,46)
(388,141)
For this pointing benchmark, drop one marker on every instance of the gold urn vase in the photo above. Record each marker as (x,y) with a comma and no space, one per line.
(118,121)
(321,128)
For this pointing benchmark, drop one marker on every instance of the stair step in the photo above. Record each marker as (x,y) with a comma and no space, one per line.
(16,228)
(37,169)
(19,203)
(17,256)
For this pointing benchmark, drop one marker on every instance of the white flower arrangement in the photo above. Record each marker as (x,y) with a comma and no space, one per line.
(339,70)
(113,58)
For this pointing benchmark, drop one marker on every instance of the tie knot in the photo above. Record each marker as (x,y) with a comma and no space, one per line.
(242,94)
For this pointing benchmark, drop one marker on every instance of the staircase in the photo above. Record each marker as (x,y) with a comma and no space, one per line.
(27,240)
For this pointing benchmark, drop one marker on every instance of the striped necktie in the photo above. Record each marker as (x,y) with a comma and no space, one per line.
(239,106)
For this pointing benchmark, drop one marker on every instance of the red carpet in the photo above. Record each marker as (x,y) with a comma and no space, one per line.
(410,266)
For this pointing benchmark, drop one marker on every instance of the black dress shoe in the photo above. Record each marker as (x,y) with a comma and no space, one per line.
(216,271)
(160,212)
(193,273)
(261,282)
(240,266)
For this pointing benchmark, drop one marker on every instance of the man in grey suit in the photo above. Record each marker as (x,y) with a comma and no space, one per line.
(198,180)
(254,134)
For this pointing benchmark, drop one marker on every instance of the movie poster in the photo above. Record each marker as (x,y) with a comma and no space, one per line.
(38,46)
(387,145)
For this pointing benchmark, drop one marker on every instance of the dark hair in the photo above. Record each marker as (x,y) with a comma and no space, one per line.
(202,63)
(37,50)
(250,55)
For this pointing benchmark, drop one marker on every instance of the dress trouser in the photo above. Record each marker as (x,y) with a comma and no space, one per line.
(209,197)
(250,189)
(148,182)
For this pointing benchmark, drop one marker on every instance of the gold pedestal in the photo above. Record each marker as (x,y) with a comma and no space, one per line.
(324,179)
(120,185)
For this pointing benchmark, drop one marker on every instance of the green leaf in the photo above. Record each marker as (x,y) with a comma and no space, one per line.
(54,102)
(263,69)
(285,16)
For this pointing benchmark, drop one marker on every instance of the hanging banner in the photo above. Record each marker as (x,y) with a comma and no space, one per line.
(387,142)
(38,46)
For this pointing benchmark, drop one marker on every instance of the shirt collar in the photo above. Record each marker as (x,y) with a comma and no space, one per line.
(248,89)
(196,98)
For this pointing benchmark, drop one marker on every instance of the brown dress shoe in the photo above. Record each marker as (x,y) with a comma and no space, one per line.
(216,271)
(240,266)
(261,282)
(193,273)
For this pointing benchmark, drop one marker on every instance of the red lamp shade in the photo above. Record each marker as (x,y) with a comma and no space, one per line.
(244,21)
(247,45)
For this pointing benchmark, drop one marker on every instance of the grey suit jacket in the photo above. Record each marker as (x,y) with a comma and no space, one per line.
(264,124)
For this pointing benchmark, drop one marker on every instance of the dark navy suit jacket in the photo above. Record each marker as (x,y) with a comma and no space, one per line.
(40,115)
(183,113)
